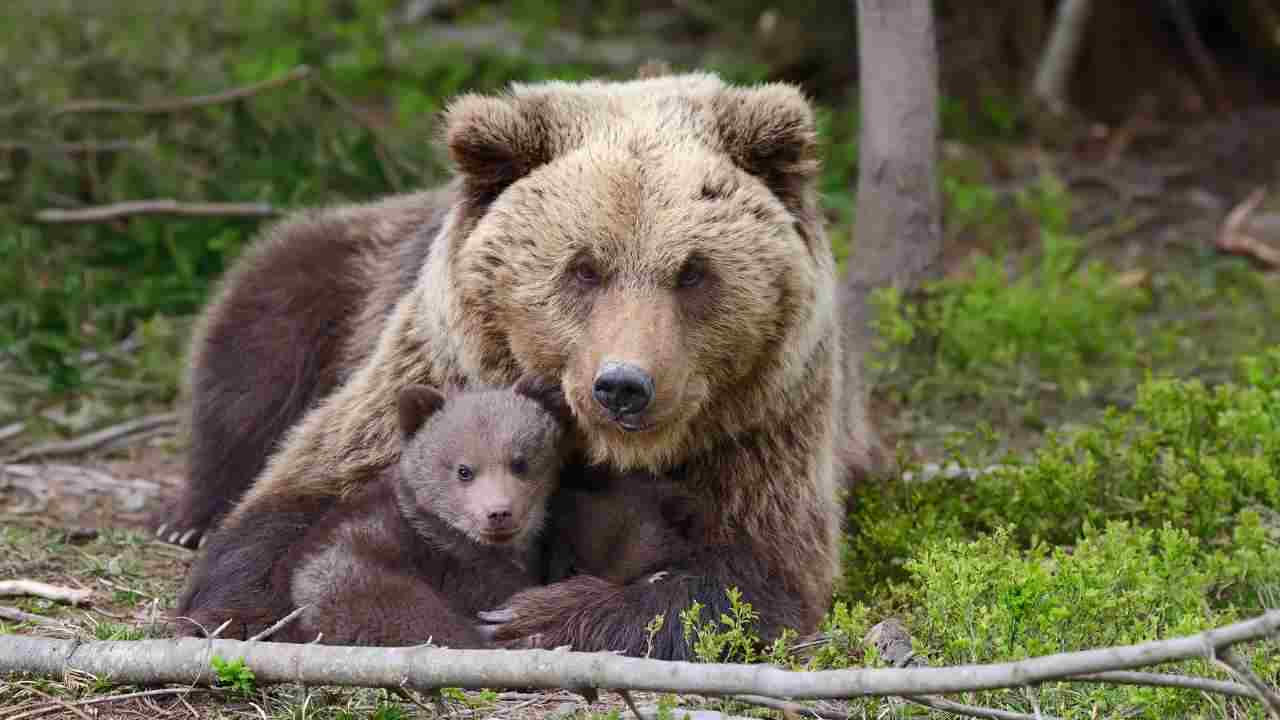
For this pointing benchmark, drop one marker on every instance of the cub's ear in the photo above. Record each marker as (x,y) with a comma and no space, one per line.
(769,132)
(547,392)
(496,141)
(415,404)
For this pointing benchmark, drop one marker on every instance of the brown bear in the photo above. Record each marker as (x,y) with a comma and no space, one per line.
(448,531)
(656,246)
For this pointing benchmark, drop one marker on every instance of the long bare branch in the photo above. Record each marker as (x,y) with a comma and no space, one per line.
(96,439)
(165,206)
(171,105)
(188,660)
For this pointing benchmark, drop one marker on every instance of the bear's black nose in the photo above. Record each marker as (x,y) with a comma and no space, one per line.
(623,389)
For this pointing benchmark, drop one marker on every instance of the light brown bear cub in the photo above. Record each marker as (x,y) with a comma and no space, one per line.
(449,530)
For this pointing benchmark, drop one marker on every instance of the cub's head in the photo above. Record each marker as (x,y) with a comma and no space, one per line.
(486,461)
(654,244)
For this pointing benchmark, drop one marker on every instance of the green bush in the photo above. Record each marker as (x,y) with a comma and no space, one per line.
(989,600)
(1185,455)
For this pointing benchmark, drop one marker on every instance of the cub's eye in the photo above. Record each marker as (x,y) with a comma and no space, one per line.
(465,474)
(519,466)
(691,275)
(584,273)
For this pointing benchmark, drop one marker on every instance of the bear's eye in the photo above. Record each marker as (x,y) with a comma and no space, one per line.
(465,474)
(519,466)
(691,275)
(584,273)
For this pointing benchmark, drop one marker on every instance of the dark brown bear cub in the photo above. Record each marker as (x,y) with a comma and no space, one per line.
(448,531)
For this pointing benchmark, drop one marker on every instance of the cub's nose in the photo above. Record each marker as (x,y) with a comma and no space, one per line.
(623,389)
(500,519)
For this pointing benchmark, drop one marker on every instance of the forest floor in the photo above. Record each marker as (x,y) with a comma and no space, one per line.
(1150,205)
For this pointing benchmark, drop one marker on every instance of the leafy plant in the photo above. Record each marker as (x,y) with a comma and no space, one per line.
(234,674)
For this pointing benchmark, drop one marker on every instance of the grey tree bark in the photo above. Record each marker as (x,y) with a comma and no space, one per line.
(898,236)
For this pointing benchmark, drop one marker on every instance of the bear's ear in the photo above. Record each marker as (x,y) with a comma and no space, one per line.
(495,141)
(769,132)
(547,392)
(415,405)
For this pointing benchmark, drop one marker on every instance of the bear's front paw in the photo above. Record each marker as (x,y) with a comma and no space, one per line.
(538,616)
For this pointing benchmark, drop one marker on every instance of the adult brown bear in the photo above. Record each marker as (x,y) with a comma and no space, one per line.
(655,245)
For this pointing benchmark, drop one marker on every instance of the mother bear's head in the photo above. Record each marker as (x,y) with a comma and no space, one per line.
(654,244)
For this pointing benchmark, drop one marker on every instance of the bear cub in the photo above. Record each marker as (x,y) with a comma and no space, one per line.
(452,529)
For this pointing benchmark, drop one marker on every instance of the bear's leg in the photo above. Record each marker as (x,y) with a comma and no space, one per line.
(269,348)
(339,445)
(384,607)
(593,615)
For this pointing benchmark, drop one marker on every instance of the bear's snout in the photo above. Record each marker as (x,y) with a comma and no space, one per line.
(623,389)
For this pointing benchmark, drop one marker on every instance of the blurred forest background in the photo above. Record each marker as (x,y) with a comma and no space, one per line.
(1105,325)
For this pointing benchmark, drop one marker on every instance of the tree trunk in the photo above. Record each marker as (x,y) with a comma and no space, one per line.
(898,237)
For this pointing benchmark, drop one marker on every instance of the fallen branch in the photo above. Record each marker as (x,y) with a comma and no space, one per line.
(1186,682)
(1050,85)
(1238,667)
(42,482)
(171,105)
(1232,238)
(13,614)
(180,692)
(102,213)
(86,147)
(12,430)
(96,439)
(188,660)
(33,588)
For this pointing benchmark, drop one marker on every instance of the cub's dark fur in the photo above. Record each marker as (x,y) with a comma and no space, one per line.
(448,531)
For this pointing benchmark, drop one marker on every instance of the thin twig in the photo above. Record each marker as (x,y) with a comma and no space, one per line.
(631,703)
(181,692)
(279,624)
(945,705)
(170,105)
(103,213)
(96,439)
(72,148)
(1232,663)
(789,707)
(44,590)
(80,713)
(1188,682)
(12,430)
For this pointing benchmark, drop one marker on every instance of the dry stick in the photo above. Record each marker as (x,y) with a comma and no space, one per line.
(95,440)
(44,590)
(180,692)
(59,701)
(1050,84)
(102,213)
(12,430)
(279,624)
(1186,682)
(171,105)
(15,615)
(1234,665)
(72,148)
(1199,53)
(424,668)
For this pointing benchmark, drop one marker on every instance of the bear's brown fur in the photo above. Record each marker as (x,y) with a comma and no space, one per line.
(417,553)
(665,226)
